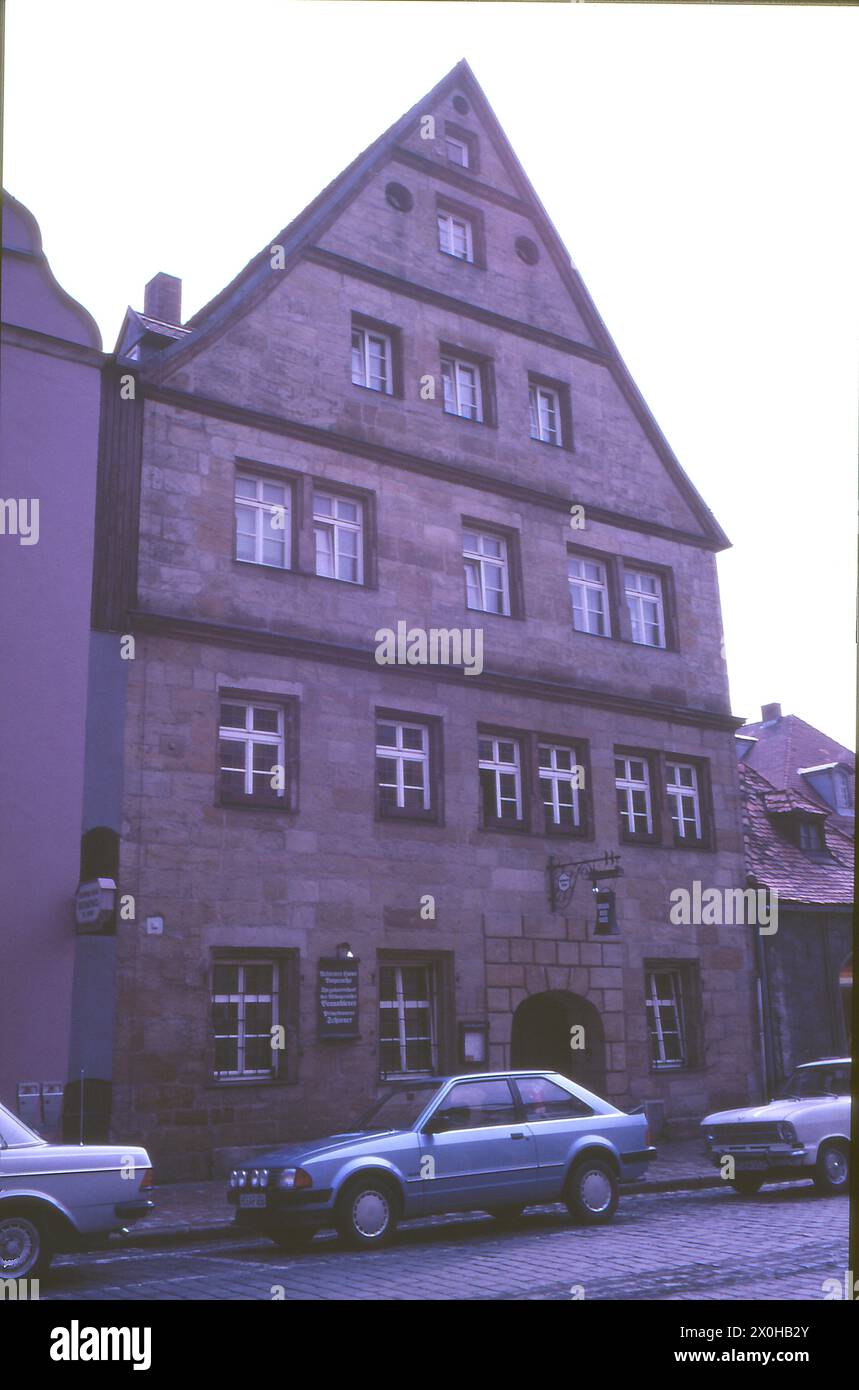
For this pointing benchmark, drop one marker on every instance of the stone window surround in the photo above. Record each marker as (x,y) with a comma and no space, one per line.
(471,143)
(452,207)
(434,815)
(562,390)
(302,549)
(442,964)
(656,761)
(620,622)
(484,368)
(393,334)
(688,973)
(287,961)
(288,804)
(515,589)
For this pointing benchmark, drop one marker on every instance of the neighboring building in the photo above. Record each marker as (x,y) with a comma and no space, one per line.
(386,418)
(51,361)
(799,833)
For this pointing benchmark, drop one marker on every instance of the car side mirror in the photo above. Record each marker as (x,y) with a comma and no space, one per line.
(455,1117)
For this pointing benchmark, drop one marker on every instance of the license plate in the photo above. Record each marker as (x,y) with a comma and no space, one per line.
(251,1199)
(747,1163)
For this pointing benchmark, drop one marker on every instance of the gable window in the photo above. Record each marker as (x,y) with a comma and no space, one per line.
(500,768)
(666,1023)
(457,151)
(684,799)
(252,745)
(372,360)
(245,1009)
(644,600)
(463,394)
(545,407)
(632,783)
(263,526)
(559,786)
(588,582)
(338,534)
(407,1020)
(403,767)
(455,235)
(487,581)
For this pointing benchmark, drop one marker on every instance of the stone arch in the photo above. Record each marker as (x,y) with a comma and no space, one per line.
(541,1034)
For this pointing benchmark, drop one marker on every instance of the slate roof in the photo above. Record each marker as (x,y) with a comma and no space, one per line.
(774,861)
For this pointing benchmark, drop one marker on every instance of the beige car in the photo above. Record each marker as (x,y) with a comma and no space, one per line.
(60,1196)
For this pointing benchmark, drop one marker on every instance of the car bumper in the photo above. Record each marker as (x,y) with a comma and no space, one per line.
(134,1211)
(299,1210)
(634,1164)
(782,1159)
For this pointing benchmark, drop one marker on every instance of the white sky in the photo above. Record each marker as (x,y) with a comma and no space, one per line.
(700,163)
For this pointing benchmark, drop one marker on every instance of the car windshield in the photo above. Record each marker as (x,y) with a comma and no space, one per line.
(14,1133)
(832,1080)
(399,1109)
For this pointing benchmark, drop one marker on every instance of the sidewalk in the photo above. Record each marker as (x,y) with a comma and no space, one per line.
(189,1210)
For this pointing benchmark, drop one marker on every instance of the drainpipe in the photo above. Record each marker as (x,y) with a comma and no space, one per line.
(762,992)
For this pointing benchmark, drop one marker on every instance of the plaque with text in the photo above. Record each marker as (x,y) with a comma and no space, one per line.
(338,998)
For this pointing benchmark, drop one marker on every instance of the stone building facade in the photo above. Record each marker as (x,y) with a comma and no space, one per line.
(390,417)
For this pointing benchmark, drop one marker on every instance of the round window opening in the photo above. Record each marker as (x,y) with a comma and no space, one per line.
(399,197)
(527,250)
(461,105)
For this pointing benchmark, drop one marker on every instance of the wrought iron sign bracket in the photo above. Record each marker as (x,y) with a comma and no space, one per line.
(564,877)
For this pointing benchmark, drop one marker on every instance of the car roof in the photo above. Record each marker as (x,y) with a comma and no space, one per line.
(826,1062)
(491,1075)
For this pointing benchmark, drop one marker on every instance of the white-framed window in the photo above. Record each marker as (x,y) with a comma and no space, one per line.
(407,1020)
(245,1008)
(632,780)
(646,607)
(545,408)
(665,1018)
(457,151)
(684,798)
(487,580)
(463,394)
(500,767)
(338,533)
(455,236)
(252,748)
(263,525)
(589,595)
(559,785)
(402,765)
(372,359)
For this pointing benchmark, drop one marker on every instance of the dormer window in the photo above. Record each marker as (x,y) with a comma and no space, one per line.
(811,837)
(843,794)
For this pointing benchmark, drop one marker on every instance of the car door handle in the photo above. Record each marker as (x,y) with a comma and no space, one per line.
(518,1135)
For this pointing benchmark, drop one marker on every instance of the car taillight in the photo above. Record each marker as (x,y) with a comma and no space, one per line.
(146,1180)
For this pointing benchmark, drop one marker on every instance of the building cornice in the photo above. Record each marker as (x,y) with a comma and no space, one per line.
(338,654)
(32,340)
(451,473)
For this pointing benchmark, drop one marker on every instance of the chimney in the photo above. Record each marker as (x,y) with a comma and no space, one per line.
(770,713)
(162,298)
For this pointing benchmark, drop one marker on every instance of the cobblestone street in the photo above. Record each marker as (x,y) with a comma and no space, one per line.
(709,1244)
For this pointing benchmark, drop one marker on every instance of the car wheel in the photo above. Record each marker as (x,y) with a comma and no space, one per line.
(506,1216)
(591,1191)
(747,1184)
(832,1170)
(25,1248)
(366,1214)
(292,1241)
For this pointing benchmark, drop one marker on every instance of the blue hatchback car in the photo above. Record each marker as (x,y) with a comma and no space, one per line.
(496,1142)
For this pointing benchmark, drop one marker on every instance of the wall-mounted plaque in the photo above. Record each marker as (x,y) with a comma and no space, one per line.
(338,998)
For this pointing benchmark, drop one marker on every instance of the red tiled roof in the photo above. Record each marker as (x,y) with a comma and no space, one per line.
(774,861)
(786,744)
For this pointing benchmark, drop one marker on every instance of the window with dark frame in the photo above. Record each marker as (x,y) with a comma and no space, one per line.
(408,1024)
(632,775)
(403,768)
(500,771)
(558,772)
(683,787)
(666,1017)
(263,509)
(253,752)
(245,1008)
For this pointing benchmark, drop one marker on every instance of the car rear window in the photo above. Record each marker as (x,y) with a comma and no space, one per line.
(545,1100)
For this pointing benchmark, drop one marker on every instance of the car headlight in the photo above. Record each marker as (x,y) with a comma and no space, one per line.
(787,1132)
(294,1177)
(238,1178)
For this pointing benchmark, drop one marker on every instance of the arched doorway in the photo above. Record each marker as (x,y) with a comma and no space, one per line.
(542,1032)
